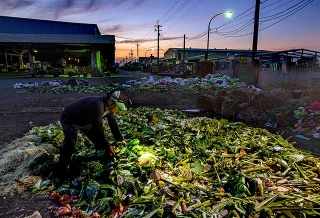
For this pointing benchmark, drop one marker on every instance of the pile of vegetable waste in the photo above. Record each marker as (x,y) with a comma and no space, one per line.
(177,166)
(234,83)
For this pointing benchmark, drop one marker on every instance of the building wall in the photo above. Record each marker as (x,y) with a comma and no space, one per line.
(32,26)
(170,53)
(271,78)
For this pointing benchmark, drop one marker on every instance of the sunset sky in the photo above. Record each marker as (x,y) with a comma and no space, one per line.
(133,21)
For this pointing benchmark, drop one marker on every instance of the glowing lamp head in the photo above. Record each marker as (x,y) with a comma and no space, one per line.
(228,14)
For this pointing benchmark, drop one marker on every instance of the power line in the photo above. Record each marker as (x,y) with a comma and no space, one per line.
(273,17)
(148,33)
(276,7)
(167,42)
(161,18)
(177,11)
(234,36)
(251,19)
(240,17)
(167,39)
(307,3)
(169,10)
(200,35)
(240,29)
(246,21)
(285,9)
(235,19)
(287,16)
(186,14)
(248,24)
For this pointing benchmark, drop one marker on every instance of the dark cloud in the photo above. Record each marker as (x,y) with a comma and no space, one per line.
(16,4)
(109,30)
(129,41)
(72,10)
(92,4)
(135,41)
(172,38)
(116,4)
(64,7)
(124,40)
(69,3)
(136,4)
(71,7)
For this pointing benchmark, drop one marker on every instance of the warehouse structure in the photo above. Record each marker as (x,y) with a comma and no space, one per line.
(42,45)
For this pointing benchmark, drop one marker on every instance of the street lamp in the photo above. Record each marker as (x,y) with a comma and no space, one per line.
(145,54)
(228,15)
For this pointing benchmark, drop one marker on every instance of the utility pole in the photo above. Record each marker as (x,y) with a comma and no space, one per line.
(131,53)
(184,46)
(158,29)
(137,52)
(255,31)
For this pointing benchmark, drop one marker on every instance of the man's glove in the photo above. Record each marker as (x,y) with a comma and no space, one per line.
(110,152)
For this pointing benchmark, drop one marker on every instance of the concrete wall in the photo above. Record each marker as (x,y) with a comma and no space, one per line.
(275,78)
(252,76)
(246,73)
(204,68)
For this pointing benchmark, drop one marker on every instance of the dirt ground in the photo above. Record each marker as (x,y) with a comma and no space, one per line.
(20,111)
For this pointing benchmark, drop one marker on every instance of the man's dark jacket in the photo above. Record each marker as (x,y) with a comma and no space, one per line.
(87,114)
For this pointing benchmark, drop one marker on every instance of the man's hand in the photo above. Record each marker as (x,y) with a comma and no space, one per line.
(110,152)
(124,142)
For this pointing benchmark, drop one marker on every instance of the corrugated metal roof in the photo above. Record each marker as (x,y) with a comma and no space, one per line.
(216,50)
(56,38)
(293,52)
(35,26)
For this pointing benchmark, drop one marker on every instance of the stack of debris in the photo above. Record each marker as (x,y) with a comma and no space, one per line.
(53,83)
(217,80)
(244,103)
(308,120)
(25,85)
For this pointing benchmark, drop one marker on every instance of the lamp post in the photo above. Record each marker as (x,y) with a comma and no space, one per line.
(228,14)
(145,54)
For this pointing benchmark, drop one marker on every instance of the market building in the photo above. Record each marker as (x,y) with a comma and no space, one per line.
(42,46)
(299,66)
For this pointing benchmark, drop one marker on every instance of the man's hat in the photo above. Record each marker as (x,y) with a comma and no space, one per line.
(119,98)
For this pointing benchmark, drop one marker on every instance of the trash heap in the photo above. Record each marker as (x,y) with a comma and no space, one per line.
(151,84)
(210,79)
(186,167)
(244,103)
(50,84)
(308,121)
(25,85)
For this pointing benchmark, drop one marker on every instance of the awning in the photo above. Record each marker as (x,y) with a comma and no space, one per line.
(56,38)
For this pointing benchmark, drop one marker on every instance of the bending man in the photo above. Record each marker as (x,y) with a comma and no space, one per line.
(86,115)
